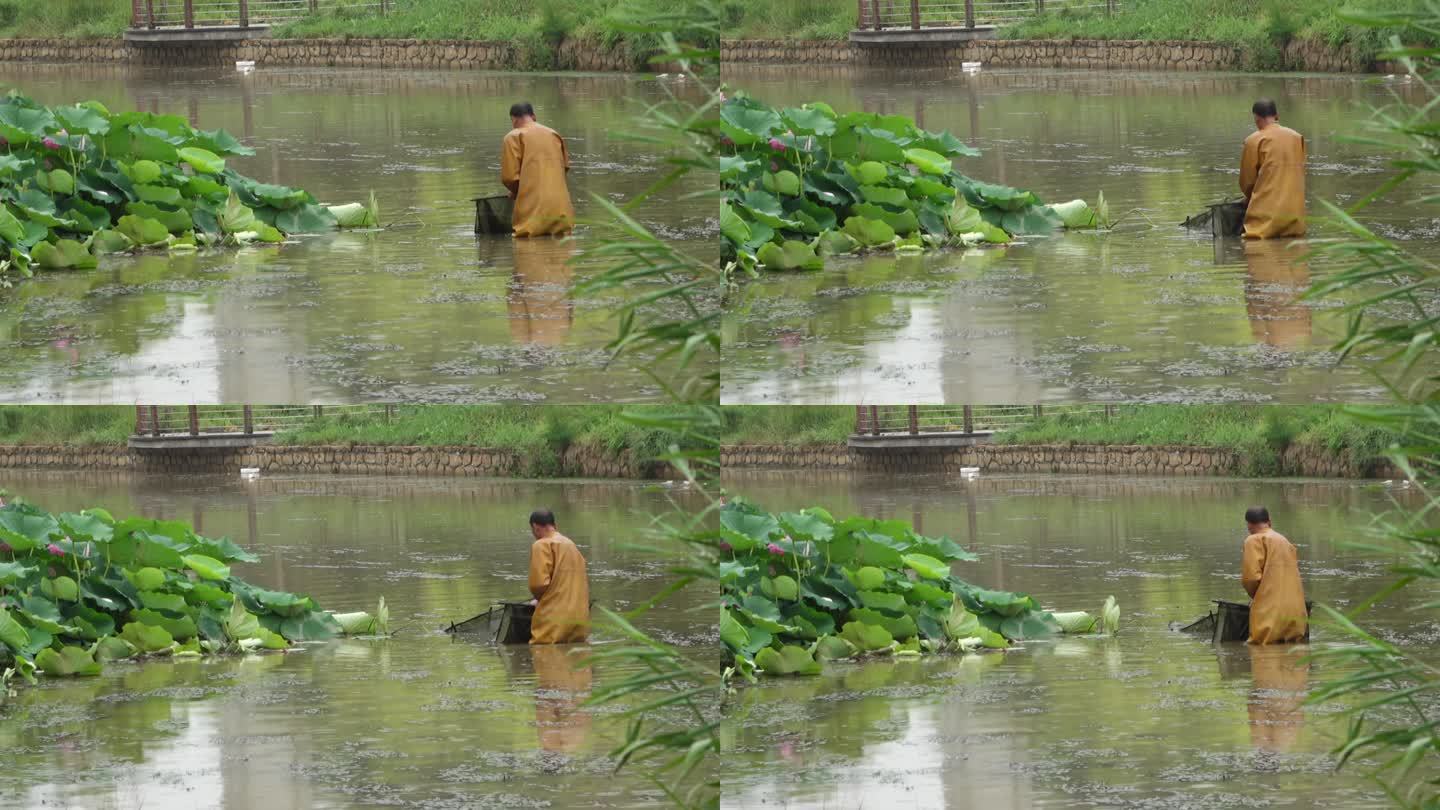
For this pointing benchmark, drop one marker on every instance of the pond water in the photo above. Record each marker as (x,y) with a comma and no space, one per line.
(1152,718)
(424,311)
(419,720)
(1150,311)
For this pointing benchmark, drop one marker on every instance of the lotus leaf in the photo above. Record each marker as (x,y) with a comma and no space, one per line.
(146,579)
(156,600)
(902,222)
(866,637)
(1077,622)
(91,624)
(21,123)
(868,578)
(883,601)
(12,633)
(202,160)
(179,627)
(87,216)
(746,124)
(869,232)
(927,566)
(62,588)
(1036,219)
(790,255)
(113,648)
(788,660)
(142,231)
(146,638)
(897,626)
(67,662)
(886,195)
(745,531)
(63,254)
(928,161)
(786,588)
(783,182)
(811,120)
(13,572)
(868,173)
(836,243)
(1075,214)
(207,567)
(833,648)
(60,181)
(108,241)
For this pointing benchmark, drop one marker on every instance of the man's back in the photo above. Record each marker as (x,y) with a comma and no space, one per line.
(1270,573)
(557,570)
(1272,176)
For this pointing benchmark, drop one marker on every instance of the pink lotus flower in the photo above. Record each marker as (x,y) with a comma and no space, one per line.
(774,549)
(4,141)
(724,546)
(726,141)
(777,145)
(50,143)
(54,549)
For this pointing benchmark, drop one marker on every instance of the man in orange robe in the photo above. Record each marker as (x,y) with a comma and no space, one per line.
(1270,572)
(533,165)
(1272,177)
(559,584)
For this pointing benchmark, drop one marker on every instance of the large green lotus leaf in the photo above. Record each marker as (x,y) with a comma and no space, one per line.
(202,160)
(87,525)
(872,551)
(885,194)
(823,596)
(101,595)
(927,566)
(9,165)
(240,623)
(12,230)
(745,122)
(113,648)
(901,222)
(141,172)
(928,161)
(264,195)
(203,593)
(882,600)
(945,143)
(313,626)
(810,120)
(1036,219)
(926,593)
(23,531)
(813,218)
(733,166)
(33,199)
(783,182)
(942,548)
(822,189)
(93,624)
(900,627)
(61,588)
(147,578)
(868,173)
(1075,622)
(788,660)
(143,231)
(23,124)
(87,216)
(866,637)
(108,241)
(762,612)
(881,145)
(280,603)
(222,549)
(792,255)
(83,119)
(152,144)
(275,641)
(220,142)
(807,525)
(1003,603)
(179,627)
(961,623)
(766,208)
(1003,197)
(59,181)
(175,220)
(833,648)
(932,220)
(732,632)
(146,638)
(207,187)
(157,600)
(158,194)
(304,219)
(732,226)
(69,661)
(47,219)
(933,190)
(1035,624)
(12,572)
(869,232)
(785,587)
(745,530)
(143,548)
(868,578)
(40,612)
(207,567)
(816,623)
(64,254)
(836,243)
(12,633)
(1075,214)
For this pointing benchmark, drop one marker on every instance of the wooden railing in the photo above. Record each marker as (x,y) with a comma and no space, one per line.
(881,15)
(238,13)
(876,420)
(243,420)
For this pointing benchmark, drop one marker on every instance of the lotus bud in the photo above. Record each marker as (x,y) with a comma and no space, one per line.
(50,143)
(54,549)
(724,546)
(774,167)
(774,549)
(5,548)
(777,145)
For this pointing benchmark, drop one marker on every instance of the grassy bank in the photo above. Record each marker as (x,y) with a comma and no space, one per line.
(1260,28)
(1260,432)
(540,433)
(537,28)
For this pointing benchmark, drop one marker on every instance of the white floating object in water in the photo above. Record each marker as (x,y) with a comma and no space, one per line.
(970,67)
(245,66)
(970,472)
(250,473)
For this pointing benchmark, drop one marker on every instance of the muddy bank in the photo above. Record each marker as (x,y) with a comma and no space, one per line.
(1093,54)
(1303,462)
(571,54)
(573,462)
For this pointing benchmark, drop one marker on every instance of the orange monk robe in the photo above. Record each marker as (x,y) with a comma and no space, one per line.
(558,580)
(1270,573)
(1272,178)
(533,164)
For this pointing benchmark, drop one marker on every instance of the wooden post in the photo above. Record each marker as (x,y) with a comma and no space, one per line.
(313,7)
(139,420)
(245,13)
(915,15)
(874,421)
(319,411)
(969,420)
(875,14)
(389,412)
(859,14)
(914,419)
(154,420)
(194,420)
(249,421)
(150,12)
(189,13)
(970,14)
(382,8)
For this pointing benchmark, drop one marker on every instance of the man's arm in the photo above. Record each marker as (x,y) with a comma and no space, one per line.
(1252,564)
(542,567)
(511,155)
(1249,166)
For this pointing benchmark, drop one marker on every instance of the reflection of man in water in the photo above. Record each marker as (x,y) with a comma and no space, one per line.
(539,300)
(533,165)
(1281,675)
(560,692)
(559,583)
(1272,176)
(1270,572)
(1276,277)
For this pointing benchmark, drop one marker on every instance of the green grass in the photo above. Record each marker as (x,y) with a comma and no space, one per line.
(80,19)
(787,424)
(789,19)
(75,425)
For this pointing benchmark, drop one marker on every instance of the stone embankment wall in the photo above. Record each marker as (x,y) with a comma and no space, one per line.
(1082,459)
(1097,54)
(397,53)
(578,462)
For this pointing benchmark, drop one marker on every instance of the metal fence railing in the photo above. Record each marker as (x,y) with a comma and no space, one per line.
(880,15)
(241,13)
(877,420)
(244,420)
